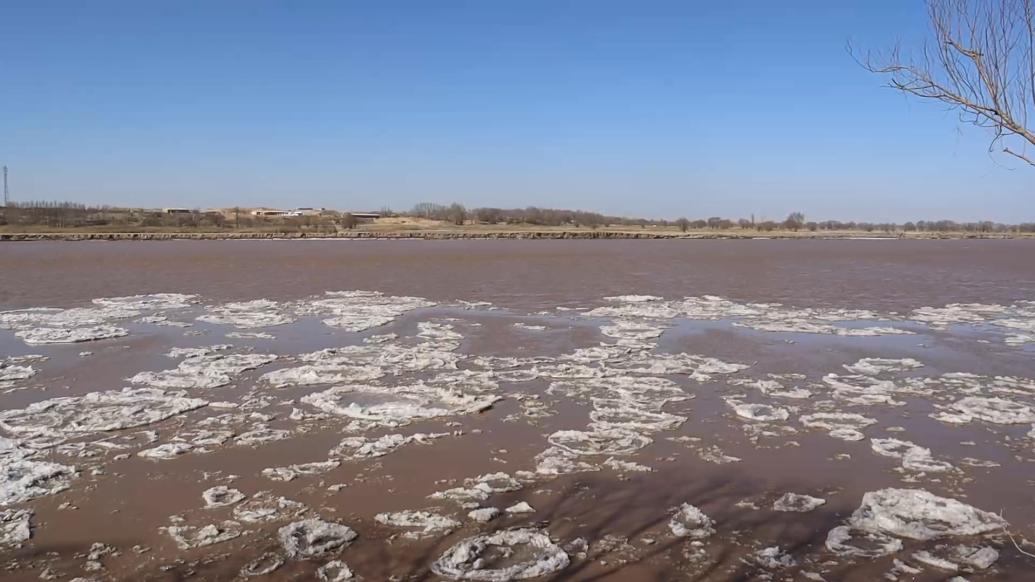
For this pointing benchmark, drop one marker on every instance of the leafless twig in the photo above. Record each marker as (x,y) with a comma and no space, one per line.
(981,64)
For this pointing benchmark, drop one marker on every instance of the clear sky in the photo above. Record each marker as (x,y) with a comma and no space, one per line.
(642,108)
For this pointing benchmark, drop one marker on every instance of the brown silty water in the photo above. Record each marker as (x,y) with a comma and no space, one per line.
(540,359)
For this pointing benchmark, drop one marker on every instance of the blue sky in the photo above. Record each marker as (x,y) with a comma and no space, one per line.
(645,108)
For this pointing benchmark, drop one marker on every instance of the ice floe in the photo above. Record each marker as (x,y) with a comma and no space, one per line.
(773,558)
(558,461)
(311,374)
(96,412)
(845,541)
(248,314)
(360,310)
(913,457)
(267,563)
(691,522)
(770,317)
(953,558)
(478,489)
(759,412)
(795,502)
(203,369)
(484,514)
(15,527)
(265,506)
(292,471)
(520,507)
(398,405)
(12,369)
(188,537)
(533,554)
(599,442)
(221,496)
(877,366)
(335,571)
(920,515)
(842,425)
(80,324)
(51,335)
(313,538)
(994,410)
(421,524)
(166,451)
(368,448)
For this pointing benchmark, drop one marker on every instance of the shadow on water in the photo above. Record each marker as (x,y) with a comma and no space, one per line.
(625,523)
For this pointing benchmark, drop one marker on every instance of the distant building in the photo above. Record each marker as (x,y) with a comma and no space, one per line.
(366,215)
(269,212)
(176,211)
(306,211)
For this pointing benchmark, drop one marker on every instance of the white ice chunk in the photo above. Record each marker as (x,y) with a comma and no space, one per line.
(312,538)
(691,522)
(920,515)
(421,523)
(797,503)
(221,496)
(535,555)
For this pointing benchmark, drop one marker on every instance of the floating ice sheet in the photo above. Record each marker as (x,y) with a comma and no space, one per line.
(691,522)
(96,412)
(203,370)
(248,314)
(290,472)
(994,410)
(913,457)
(478,489)
(360,310)
(795,502)
(313,538)
(15,369)
(335,571)
(221,496)
(368,448)
(265,507)
(599,442)
(842,425)
(759,412)
(848,542)
(921,515)
(535,555)
(398,405)
(80,324)
(26,479)
(15,527)
(877,366)
(52,335)
(421,524)
(188,537)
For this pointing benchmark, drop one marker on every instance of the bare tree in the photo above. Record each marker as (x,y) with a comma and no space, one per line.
(794,221)
(348,221)
(980,64)
(683,224)
(456,214)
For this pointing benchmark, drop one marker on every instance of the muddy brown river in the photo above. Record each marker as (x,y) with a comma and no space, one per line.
(509,410)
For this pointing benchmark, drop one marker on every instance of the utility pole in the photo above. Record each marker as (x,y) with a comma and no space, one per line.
(7,195)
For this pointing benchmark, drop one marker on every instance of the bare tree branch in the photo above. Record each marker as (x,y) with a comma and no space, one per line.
(980,63)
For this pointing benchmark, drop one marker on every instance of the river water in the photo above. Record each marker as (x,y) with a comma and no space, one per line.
(613,384)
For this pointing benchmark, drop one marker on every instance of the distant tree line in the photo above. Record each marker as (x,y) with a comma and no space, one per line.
(76,215)
(456,213)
